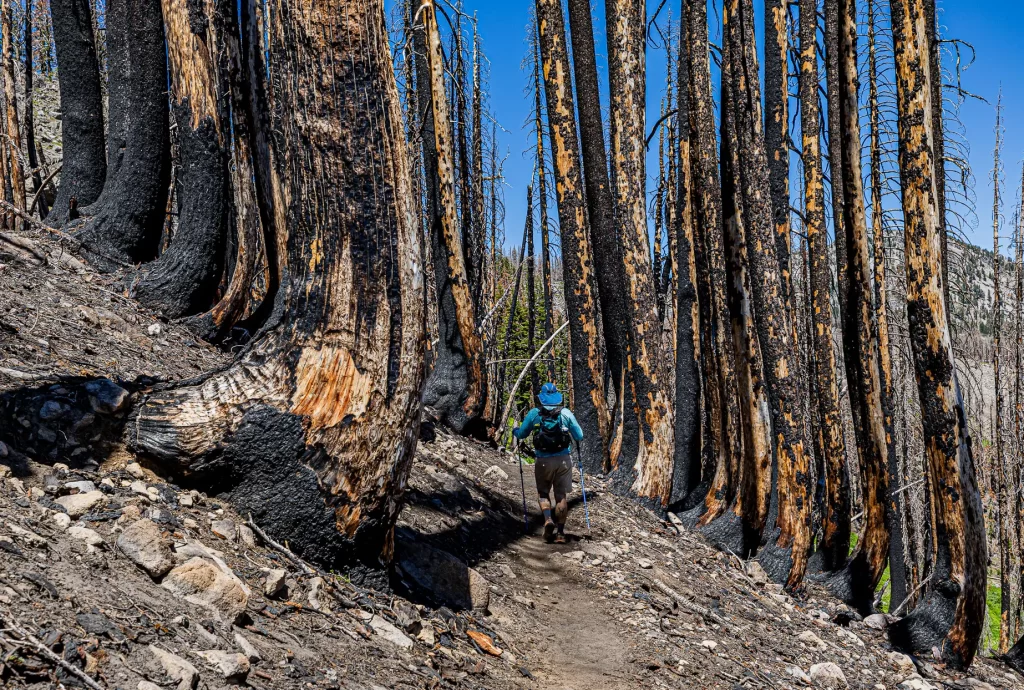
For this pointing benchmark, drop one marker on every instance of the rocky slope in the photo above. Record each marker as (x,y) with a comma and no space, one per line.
(114,576)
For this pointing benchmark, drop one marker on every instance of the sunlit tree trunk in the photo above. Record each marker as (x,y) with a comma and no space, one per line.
(12,138)
(650,476)
(313,429)
(582,310)
(788,542)
(951,613)
(835,540)
(542,186)
(30,125)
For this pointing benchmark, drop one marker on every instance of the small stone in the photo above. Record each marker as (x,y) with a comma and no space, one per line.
(153,493)
(146,685)
(247,648)
(154,329)
(185,500)
(90,537)
(81,487)
(62,520)
(26,536)
(176,668)
(523,601)
(80,504)
(232,667)
(849,637)
(135,470)
(426,636)
(139,487)
(916,683)
(577,556)
(246,536)
(107,482)
(225,529)
(979,684)
(903,664)
(190,523)
(809,638)
(876,621)
(798,673)
(828,675)
(36,493)
(390,633)
(144,543)
(274,584)
(495,471)
(709,645)
(106,397)
(644,563)
(506,571)
(201,582)
(316,598)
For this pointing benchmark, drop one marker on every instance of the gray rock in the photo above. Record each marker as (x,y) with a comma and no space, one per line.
(81,487)
(90,537)
(144,543)
(644,563)
(916,683)
(106,397)
(809,638)
(201,582)
(442,575)
(80,504)
(877,621)
(828,675)
(495,471)
(390,633)
(798,673)
(176,668)
(316,598)
(232,667)
(139,487)
(225,529)
(135,470)
(62,520)
(275,583)
(247,648)
(146,685)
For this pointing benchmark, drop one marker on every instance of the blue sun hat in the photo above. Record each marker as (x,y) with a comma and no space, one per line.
(549,395)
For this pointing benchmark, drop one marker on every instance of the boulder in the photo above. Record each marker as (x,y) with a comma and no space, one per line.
(232,667)
(828,675)
(201,582)
(79,504)
(144,543)
(443,576)
(176,668)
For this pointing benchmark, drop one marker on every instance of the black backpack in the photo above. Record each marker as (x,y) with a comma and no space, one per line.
(552,436)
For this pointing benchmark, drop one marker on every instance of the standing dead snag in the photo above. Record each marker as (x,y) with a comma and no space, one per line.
(126,221)
(869,394)
(608,262)
(30,127)
(183,280)
(313,429)
(835,539)
(85,164)
(466,346)
(587,357)
(951,614)
(650,476)
(788,543)
(776,128)
(539,89)
(12,135)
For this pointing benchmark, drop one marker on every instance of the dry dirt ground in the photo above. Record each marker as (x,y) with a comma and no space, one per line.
(477,600)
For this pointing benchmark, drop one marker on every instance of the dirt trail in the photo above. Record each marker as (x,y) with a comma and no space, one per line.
(577,645)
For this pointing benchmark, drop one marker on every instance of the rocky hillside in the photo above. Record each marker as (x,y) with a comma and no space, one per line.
(112,575)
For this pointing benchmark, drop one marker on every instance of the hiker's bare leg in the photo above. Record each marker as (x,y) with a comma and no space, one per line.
(542,474)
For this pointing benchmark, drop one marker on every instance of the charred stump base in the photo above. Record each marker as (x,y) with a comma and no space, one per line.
(727,532)
(76,421)
(927,626)
(850,584)
(776,560)
(445,391)
(1015,657)
(266,471)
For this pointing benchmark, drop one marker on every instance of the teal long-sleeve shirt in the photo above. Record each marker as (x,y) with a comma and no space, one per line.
(532,422)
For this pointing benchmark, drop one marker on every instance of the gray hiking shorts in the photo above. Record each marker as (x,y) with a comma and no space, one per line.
(556,472)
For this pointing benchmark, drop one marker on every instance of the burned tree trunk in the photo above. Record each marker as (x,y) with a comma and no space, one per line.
(127,219)
(608,261)
(831,41)
(788,543)
(183,280)
(951,614)
(12,138)
(539,89)
(313,429)
(650,475)
(776,128)
(30,126)
(457,388)
(869,397)
(835,539)
(587,357)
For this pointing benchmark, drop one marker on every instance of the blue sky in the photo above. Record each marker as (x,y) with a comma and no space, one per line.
(992,27)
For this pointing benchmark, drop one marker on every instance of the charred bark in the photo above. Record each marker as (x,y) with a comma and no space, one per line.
(30,126)
(951,614)
(835,539)
(313,429)
(12,137)
(582,311)
(776,129)
(182,282)
(85,164)
(788,543)
(127,219)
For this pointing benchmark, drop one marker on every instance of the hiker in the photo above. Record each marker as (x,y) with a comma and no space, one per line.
(554,429)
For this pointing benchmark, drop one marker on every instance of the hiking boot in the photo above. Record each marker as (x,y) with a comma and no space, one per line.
(560,538)
(549,532)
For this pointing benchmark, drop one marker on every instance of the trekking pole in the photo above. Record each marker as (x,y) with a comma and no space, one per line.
(583,487)
(522,484)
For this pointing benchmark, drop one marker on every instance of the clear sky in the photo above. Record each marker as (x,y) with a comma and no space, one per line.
(992,27)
